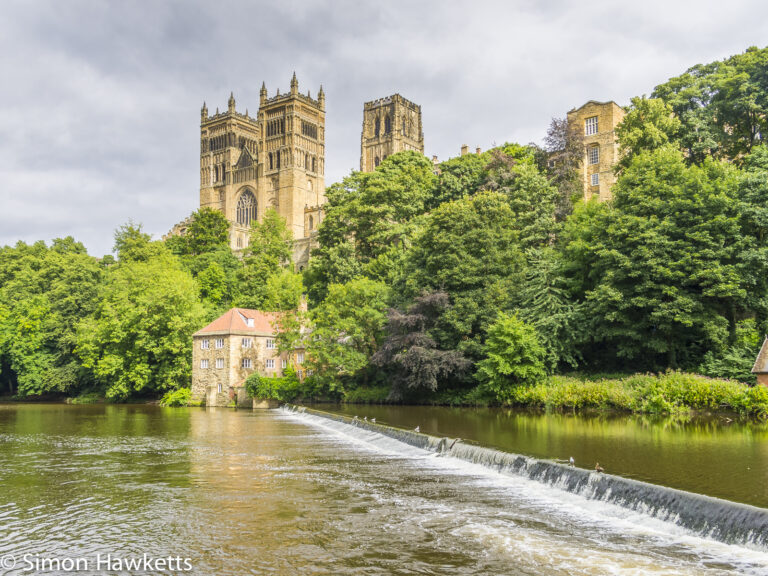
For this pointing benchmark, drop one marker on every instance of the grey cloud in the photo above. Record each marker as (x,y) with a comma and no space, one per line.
(100,100)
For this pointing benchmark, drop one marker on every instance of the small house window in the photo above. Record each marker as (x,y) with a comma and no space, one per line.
(595,180)
(300,357)
(299,374)
(247,342)
(590,125)
(219,362)
(594,154)
(219,387)
(284,363)
(204,363)
(219,342)
(270,344)
(270,363)
(246,363)
(204,344)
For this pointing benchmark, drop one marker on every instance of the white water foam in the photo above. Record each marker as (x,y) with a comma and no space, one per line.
(524,544)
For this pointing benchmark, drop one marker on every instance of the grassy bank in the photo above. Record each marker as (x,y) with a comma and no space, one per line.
(668,393)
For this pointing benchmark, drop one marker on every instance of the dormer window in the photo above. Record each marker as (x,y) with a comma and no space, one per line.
(249,322)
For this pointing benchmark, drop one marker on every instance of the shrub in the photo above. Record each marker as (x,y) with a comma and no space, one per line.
(180,397)
(285,388)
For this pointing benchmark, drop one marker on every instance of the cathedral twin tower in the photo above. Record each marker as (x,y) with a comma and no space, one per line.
(277,159)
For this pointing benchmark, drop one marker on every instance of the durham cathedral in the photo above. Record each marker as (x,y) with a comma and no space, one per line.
(276,159)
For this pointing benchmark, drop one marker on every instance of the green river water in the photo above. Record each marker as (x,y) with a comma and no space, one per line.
(270,492)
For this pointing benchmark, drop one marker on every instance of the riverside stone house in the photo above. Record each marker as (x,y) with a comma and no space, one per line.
(760,369)
(230,348)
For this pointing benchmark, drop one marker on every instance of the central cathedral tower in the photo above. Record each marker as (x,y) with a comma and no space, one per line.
(390,125)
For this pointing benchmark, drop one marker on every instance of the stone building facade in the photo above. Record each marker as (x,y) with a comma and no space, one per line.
(230,348)
(760,369)
(390,125)
(273,160)
(595,122)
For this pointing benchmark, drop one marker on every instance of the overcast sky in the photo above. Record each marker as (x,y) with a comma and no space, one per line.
(100,101)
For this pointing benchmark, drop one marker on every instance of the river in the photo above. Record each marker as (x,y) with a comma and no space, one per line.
(275,492)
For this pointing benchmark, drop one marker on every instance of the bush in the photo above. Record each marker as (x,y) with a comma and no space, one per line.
(367,395)
(669,393)
(180,397)
(85,398)
(285,388)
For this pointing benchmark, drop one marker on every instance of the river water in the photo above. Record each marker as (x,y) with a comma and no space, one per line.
(273,492)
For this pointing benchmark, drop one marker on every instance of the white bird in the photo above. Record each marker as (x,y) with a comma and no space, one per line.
(373,420)
(572,462)
(416,429)
(365,418)
(355,418)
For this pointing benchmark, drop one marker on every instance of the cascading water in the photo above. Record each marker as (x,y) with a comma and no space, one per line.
(721,520)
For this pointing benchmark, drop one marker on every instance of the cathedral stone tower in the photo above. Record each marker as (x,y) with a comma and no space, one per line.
(275,160)
(390,125)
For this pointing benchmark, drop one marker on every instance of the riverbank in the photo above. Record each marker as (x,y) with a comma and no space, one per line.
(673,393)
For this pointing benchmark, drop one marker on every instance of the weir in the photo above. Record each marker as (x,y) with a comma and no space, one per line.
(722,520)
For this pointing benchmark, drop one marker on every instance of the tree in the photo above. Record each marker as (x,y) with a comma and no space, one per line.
(547,306)
(659,265)
(133,245)
(532,198)
(513,357)
(564,145)
(370,219)
(458,177)
(648,125)
(470,249)
(45,292)
(269,250)
(207,231)
(723,106)
(139,340)
(736,360)
(283,291)
(410,354)
(347,329)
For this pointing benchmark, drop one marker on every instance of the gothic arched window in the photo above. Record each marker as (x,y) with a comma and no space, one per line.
(246,208)
(271,165)
(376,127)
(387,124)
(376,161)
(311,222)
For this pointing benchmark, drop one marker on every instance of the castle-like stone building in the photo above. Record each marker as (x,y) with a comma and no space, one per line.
(595,124)
(273,160)
(229,349)
(390,125)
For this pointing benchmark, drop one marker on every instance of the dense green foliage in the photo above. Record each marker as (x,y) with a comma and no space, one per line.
(475,280)
(514,357)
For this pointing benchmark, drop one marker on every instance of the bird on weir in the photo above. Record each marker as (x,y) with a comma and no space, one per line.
(572,461)
(373,420)
(598,468)
(416,429)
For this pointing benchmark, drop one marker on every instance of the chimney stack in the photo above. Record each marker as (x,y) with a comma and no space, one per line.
(464,149)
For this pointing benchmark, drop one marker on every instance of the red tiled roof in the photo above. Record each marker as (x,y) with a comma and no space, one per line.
(236,320)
